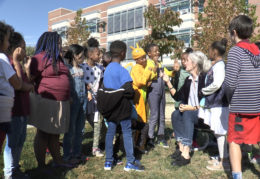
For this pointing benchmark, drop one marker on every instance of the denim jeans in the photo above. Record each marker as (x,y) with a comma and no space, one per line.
(14,144)
(127,136)
(73,138)
(183,125)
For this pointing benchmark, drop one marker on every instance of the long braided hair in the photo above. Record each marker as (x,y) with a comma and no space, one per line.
(49,42)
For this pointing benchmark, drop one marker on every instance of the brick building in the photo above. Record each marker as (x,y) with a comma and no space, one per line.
(124,19)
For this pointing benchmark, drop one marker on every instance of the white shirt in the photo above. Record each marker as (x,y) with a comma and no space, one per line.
(218,78)
(92,75)
(193,96)
(6,72)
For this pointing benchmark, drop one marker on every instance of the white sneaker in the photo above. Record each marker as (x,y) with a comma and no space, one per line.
(97,152)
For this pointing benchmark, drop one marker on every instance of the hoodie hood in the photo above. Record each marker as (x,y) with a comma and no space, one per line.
(252,50)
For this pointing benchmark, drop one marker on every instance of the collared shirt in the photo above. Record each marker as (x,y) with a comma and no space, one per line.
(193,96)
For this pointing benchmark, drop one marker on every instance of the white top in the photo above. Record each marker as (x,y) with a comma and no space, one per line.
(6,72)
(92,76)
(218,78)
(193,96)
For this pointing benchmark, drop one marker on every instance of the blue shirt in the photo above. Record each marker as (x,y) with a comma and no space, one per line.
(116,76)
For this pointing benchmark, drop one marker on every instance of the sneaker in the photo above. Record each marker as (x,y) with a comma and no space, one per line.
(150,143)
(134,167)
(213,161)
(108,165)
(255,159)
(181,161)
(163,143)
(219,166)
(118,162)
(195,146)
(18,174)
(97,152)
(176,154)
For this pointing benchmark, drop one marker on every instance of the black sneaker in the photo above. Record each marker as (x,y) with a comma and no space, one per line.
(163,143)
(181,161)
(150,143)
(176,154)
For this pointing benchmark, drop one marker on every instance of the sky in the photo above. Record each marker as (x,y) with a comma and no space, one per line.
(30,17)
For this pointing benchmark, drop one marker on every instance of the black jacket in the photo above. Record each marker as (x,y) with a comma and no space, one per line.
(183,94)
(115,105)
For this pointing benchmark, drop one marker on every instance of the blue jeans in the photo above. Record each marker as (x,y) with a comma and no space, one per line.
(128,140)
(14,144)
(73,138)
(183,125)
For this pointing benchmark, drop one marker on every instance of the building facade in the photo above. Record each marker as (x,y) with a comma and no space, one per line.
(124,20)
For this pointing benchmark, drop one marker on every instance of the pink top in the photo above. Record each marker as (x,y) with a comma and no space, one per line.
(21,99)
(50,84)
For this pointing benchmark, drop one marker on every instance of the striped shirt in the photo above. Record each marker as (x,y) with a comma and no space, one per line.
(242,80)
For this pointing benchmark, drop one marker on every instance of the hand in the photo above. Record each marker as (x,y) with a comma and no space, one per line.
(149,83)
(184,107)
(18,54)
(89,96)
(166,78)
(28,63)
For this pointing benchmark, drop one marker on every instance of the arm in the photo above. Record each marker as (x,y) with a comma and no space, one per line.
(18,53)
(170,86)
(232,72)
(218,79)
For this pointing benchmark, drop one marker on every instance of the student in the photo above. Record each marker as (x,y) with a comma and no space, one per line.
(20,111)
(9,79)
(186,116)
(141,76)
(156,97)
(52,114)
(73,138)
(242,84)
(106,59)
(116,107)
(93,74)
(214,110)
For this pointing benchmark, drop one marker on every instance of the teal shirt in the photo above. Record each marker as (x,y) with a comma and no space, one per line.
(183,75)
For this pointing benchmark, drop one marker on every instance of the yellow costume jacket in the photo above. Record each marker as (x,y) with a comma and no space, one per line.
(141,77)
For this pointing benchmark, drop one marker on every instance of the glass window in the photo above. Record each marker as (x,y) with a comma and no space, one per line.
(117,22)
(92,25)
(184,7)
(201,5)
(131,19)
(139,18)
(130,42)
(137,39)
(123,21)
(110,24)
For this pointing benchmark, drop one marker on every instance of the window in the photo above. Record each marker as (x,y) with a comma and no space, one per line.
(124,21)
(201,5)
(130,42)
(131,19)
(110,24)
(92,25)
(139,18)
(117,22)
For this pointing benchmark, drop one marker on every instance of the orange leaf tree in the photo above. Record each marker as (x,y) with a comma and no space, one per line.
(213,23)
(78,32)
(161,25)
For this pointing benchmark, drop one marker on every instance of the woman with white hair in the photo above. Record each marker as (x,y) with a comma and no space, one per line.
(186,116)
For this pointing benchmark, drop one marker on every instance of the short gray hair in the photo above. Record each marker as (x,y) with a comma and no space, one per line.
(199,58)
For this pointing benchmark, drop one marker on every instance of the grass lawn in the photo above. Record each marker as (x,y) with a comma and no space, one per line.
(156,162)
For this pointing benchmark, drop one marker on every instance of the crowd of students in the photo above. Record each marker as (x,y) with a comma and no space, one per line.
(56,90)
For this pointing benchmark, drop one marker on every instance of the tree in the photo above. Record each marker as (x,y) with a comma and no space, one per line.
(213,23)
(30,50)
(162,25)
(78,31)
